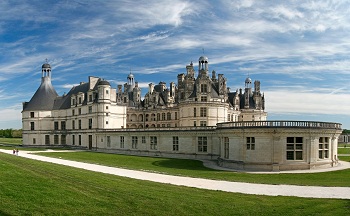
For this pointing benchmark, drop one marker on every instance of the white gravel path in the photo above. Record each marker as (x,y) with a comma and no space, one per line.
(236,187)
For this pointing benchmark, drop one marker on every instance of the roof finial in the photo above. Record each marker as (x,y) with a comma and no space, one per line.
(46,60)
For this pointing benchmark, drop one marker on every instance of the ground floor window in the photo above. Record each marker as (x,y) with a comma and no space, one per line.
(34,141)
(143,139)
(202,144)
(226,147)
(323,148)
(108,141)
(175,143)
(294,148)
(79,139)
(73,139)
(250,143)
(153,142)
(47,139)
(121,142)
(63,139)
(55,139)
(134,142)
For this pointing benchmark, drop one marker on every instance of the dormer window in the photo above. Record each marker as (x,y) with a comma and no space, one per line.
(204,88)
(90,98)
(79,100)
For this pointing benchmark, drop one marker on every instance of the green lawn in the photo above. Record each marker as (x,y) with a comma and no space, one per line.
(344,150)
(14,141)
(195,168)
(29,187)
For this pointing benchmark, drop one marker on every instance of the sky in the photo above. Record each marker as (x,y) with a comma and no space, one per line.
(299,50)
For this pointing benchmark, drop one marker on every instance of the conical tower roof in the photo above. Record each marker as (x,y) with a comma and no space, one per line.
(44,97)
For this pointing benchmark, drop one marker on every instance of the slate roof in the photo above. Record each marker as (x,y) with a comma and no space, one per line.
(44,97)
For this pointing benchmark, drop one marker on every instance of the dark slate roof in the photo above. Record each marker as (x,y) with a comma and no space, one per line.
(63,102)
(44,97)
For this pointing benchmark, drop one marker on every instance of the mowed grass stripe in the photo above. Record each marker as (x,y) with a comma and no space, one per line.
(194,168)
(29,187)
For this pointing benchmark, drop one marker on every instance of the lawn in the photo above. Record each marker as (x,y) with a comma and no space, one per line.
(14,141)
(344,150)
(194,168)
(29,187)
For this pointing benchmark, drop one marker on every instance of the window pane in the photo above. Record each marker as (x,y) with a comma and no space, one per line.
(298,155)
(298,140)
(290,155)
(290,146)
(290,139)
(299,146)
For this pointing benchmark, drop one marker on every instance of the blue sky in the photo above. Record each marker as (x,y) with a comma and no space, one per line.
(299,50)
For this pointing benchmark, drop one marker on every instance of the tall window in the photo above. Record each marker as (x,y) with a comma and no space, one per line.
(323,148)
(90,109)
(175,143)
(175,115)
(79,140)
(121,142)
(73,124)
(63,125)
(79,124)
(168,116)
(90,98)
(63,139)
(73,112)
(202,144)
(108,141)
(32,114)
(79,100)
(204,88)
(163,116)
(79,111)
(250,143)
(143,139)
(158,116)
(294,148)
(32,126)
(55,139)
(73,139)
(203,112)
(34,141)
(195,112)
(90,123)
(226,147)
(47,139)
(55,125)
(153,142)
(134,142)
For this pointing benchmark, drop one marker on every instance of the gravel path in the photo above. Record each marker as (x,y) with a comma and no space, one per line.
(236,187)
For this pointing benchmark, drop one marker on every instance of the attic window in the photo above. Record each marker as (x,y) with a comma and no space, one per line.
(32,114)
(107,92)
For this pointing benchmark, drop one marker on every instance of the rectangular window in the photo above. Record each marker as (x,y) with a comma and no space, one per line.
(90,109)
(108,141)
(175,143)
(32,114)
(34,141)
(323,149)
(153,142)
(143,139)
(79,100)
(226,147)
(168,116)
(63,139)
(90,123)
(90,98)
(79,111)
(79,124)
(194,124)
(202,144)
(73,112)
(47,139)
(203,112)
(106,107)
(163,116)
(32,126)
(121,142)
(55,139)
(175,115)
(204,99)
(194,112)
(250,143)
(73,124)
(294,148)
(79,139)
(204,88)
(55,125)
(63,125)
(73,139)
(203,123)
(134,142)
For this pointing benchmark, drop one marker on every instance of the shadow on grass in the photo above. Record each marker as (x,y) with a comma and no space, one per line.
(181,164)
